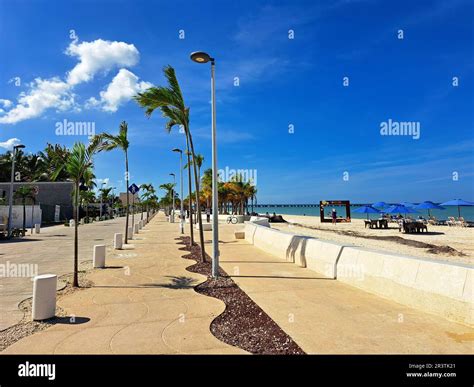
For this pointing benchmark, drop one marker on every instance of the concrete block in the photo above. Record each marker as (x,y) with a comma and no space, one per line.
(205,226)
(71,222)
(99,256)
(130,233)
(118,241)
(136,228)
(44,296)
(37,228)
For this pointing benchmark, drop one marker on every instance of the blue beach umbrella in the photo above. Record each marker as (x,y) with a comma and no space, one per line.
(458,203)
(428,206)
(408,204)
(367,210)
(380,205)
(401,209)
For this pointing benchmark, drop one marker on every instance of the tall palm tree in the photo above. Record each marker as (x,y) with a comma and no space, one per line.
(169,188)
(147,192)
(77,164)
(199,160)
(120,141)
(24,192)
(171,103)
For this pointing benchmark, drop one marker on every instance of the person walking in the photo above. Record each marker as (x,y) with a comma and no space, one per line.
(208,214)
(334,216)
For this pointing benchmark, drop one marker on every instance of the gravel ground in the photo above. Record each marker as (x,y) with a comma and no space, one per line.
(27,327)
(243,323)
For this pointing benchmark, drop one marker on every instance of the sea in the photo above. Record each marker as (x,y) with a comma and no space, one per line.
(313,210)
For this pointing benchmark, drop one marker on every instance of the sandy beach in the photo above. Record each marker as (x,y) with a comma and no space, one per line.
(454,244)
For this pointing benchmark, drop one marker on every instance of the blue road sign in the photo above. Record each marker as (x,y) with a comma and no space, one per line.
(133,189)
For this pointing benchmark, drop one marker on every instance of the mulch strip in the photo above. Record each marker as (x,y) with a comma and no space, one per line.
(243,323)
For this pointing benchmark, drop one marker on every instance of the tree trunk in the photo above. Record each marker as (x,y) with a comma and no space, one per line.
(24,216)
(190,202)
(75,282)
(128,200)
(198,206)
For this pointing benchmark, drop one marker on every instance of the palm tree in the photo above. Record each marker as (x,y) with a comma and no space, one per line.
(148,191)
(24,192)
(171,103)
(86,198)
(78,162)
(199,160)
(169,188)
(120,141)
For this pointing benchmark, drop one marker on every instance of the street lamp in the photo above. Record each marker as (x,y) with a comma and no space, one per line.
(172,192)
(10,198)
(181,214)
(202,57)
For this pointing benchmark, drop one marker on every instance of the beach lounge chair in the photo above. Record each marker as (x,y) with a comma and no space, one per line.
(367,223)
(461,222)
(433,221)
(451,221)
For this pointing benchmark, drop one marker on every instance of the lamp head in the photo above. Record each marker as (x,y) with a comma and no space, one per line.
(201,57)
(177,150)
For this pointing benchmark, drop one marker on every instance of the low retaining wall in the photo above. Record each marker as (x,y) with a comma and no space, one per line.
(442,288)
(437,287)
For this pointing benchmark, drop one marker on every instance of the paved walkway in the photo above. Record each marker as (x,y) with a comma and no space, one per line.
(143,303)
(52,252)
(326,316)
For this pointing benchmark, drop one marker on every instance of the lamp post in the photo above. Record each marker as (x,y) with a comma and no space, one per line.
(181,213)
(202,57)
(172,192)
(10,197)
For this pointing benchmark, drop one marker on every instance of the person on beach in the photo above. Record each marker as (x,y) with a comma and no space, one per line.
(208,214)
(334,216)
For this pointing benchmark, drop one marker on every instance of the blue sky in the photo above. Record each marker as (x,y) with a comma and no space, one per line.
(336,150)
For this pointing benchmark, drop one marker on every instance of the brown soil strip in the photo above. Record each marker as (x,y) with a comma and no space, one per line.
(27,327)
(243,323)
(433,249)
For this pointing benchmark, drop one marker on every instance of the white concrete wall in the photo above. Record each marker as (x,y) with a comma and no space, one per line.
(18,215)
(438,287)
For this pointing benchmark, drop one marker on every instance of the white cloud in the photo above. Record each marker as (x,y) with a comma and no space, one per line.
(94,57)
(43,94)
(121,89)
(10,143)
(6,103)
(99,55)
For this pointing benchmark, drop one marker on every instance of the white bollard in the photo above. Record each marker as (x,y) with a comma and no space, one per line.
(135,228)
(117,241)
(44,296)
(37,228)
(130,233)
(99,256)
(71,222)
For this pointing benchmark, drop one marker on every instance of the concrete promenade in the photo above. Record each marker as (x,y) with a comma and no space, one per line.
(325,316)
(51,251)
(142,303)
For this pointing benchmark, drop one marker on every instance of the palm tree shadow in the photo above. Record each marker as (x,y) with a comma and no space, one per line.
(177,282)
